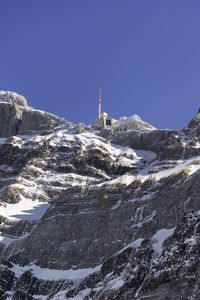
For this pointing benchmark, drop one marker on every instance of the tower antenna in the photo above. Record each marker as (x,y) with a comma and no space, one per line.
(99,104)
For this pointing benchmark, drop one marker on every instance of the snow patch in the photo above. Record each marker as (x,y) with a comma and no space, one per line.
(159,238)
(134,244)
(26,209)
(137,243)
(116,283)
(2,140)
(51,274)
(147,156)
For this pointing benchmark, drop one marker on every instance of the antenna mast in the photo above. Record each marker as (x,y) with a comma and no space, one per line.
(99,104)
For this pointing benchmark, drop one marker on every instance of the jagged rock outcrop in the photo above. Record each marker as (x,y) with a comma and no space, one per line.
(132,123)
(13,98)
(35,120)
(195,122)
(17,118)
(10,117)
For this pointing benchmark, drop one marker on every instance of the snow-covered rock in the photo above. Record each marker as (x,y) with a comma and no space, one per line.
(132,123)
(13,98)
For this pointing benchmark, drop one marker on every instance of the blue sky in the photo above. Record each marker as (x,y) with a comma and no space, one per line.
(144,54)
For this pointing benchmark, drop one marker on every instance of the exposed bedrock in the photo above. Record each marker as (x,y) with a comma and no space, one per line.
(17,118)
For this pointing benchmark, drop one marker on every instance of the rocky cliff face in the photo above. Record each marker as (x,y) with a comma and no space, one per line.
(17,118)
(97,214)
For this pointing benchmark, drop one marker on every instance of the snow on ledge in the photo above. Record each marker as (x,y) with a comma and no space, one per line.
(159,238)
(52,274)
(135,244)
(116,283)
(25,209)
(2,141)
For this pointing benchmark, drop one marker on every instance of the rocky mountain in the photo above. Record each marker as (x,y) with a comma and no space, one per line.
(97,213)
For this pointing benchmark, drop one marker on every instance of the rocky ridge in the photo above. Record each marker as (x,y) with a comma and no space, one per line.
(97,214)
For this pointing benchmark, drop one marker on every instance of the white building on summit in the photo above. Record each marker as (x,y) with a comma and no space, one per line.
(103,119)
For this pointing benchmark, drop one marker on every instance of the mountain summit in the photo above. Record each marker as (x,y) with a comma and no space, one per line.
(16,117)
(104,213)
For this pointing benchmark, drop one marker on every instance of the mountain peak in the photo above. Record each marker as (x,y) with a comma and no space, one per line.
(16,117)
(12,97)
(133,122)
(195,122)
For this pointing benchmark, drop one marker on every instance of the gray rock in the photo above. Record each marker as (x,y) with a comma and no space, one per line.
(10,118)
(11,97)
(35,120)
(17,118)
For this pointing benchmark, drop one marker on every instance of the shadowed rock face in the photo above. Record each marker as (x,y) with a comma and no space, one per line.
(121,222)
(10,118)
(17,118)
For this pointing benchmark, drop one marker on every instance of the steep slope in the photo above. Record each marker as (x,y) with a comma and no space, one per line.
(88,214)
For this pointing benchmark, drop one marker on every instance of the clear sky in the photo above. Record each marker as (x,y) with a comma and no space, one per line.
(144,54)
